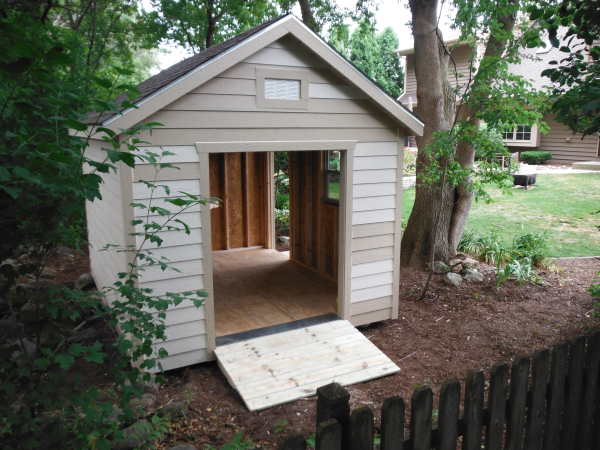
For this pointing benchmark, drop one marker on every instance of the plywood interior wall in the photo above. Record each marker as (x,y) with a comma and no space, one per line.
(240,180)
(314,224)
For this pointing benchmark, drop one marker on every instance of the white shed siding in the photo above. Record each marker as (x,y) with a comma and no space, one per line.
(186,332)
(106,221)
(373,230)
(224,109)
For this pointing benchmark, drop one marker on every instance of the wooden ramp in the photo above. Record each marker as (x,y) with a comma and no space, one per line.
(280,368)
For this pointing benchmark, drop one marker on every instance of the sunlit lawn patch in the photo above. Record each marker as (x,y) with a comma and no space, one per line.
(560,205)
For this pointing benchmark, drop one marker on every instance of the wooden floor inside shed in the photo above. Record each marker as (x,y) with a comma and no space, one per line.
(258,287)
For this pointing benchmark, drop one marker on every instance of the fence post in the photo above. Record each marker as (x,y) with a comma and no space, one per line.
(329,435)
(293,441)
(333,402)
(362,429)
(474,389)
(447,430)
(494,427)
(420,418)
(573,389)
(558,373)
(517,402)
(535,408)
(590,383)
(392,423)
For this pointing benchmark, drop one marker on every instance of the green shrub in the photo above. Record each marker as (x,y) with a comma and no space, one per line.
(535,157)
(282,201)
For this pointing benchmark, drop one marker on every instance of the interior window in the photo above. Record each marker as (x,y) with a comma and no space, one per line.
(282,89)
(332,176)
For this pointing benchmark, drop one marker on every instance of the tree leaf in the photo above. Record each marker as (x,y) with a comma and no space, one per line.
(65,361)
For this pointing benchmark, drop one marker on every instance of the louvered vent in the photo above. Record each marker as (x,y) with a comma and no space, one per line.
(282,89)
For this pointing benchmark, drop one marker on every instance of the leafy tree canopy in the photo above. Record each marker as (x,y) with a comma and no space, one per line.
(375,55)
(576,77)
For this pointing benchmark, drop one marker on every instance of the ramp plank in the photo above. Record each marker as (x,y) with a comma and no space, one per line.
(272,370)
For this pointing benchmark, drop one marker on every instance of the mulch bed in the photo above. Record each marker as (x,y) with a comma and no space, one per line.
(453,331)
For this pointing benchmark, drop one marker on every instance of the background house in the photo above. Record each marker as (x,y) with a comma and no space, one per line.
(565,147)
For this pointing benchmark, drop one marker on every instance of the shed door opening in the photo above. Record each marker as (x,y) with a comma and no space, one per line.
(255,285)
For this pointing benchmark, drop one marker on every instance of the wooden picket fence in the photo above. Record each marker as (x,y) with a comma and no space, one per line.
(551,407)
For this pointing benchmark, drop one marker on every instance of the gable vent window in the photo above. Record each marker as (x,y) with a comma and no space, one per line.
(282,89)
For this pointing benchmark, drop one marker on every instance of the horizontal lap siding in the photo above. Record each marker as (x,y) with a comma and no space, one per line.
(224,109)
(106,224)
(373,230)
(186,326)
(562,151)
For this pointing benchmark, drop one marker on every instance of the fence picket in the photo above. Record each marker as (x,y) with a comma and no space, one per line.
(421,408)
(447,430)
(589,392)
(517,402)
(392,423)
(494,427)
(558,373)
(329,435)
(535,407)
(362,430)
(573,388)
(474,389)
(293,441)
(333,402)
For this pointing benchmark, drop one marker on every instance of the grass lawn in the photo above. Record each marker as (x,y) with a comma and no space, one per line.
(561,205)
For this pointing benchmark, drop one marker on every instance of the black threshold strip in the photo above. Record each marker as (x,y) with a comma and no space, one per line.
(275,329)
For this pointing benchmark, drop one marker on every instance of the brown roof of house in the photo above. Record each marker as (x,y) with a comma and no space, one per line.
(170,74)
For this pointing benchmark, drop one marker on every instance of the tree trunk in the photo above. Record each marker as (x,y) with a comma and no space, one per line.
(307,15)
(211,26)
(436,108)
(465,153)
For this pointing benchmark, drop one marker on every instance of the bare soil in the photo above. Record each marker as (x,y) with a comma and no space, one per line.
(453,331)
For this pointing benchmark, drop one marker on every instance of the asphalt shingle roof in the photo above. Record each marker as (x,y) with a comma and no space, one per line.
(167,76)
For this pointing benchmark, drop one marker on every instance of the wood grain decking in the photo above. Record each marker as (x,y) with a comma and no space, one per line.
(281,368)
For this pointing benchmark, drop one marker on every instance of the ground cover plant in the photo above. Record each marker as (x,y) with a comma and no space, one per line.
(561,206)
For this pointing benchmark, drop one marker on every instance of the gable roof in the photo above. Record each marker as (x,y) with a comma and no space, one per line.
(192,72)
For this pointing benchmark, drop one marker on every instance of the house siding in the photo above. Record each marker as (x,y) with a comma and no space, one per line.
(224,109)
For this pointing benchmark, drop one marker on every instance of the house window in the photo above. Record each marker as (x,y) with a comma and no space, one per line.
(518,133)
(282,89)
(332,177)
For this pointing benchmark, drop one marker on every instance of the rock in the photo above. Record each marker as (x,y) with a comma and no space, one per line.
(457,268)
(30,349)
(455,262)
(473,275)
(86,334)
(27,286)
(135,436)
(114,416)
(461,256)
(176,409)
(63,251)
(184,447)
(147,401)
(84,281)
(9,325)
(48,272)
(29,311)
(452,278)
(440,268)
(12,262)
(472,263)
(284,239)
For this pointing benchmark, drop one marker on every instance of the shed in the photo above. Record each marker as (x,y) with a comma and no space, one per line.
(275,88)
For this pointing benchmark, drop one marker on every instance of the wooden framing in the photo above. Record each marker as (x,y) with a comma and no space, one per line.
(345,222)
